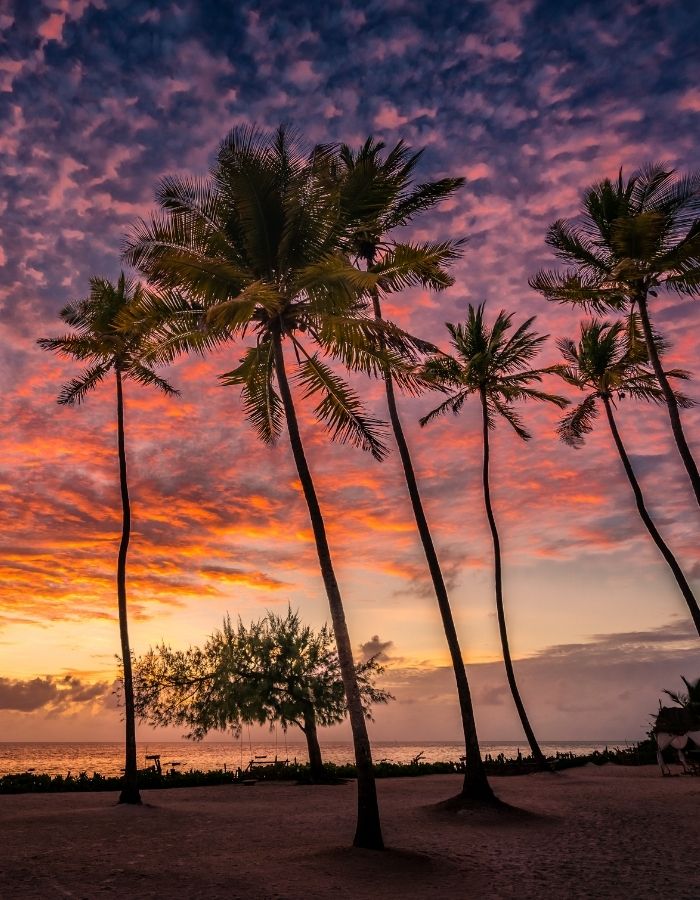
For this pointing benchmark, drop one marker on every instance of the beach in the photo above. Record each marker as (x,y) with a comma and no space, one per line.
(608,831)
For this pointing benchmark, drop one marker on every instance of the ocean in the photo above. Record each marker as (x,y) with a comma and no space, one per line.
(107,758)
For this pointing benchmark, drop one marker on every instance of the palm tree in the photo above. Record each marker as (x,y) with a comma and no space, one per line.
(99,339)
(493,365)
(609,362)
(391,200)
(255,249)
(632,239)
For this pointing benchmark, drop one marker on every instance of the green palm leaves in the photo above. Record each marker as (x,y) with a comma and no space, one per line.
(631,239)
(378,195)
(258,249)
(609,361)
(491,362)
(105,337)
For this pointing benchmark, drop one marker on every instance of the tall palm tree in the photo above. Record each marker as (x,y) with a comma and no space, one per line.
(99,339)
(632,239)
(492,365)
(610,362)
(389,199)
(255,249)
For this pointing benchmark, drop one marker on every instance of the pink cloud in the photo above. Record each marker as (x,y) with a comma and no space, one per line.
(389,117)
(52,28)
(690,100)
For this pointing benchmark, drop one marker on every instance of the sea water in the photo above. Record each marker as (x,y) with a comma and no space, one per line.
(107,758)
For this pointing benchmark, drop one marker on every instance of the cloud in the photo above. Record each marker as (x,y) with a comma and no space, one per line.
(51,694)
(604,688)
(375,647)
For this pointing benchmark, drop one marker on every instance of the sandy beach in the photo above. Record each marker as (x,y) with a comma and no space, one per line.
(591,832)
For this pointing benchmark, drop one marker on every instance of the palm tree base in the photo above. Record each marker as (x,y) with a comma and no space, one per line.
(372,840)
(131,796)
(472,800)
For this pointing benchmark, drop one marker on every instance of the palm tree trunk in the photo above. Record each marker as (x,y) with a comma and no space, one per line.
(673,411)
(476,786)
(311,734)
(510,672)
(130,791)
(368,832)
(651,528)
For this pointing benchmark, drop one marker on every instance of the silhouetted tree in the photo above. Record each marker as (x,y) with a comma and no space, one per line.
(100,338)
(610,362)
(275,670)
(389,200)
(632,239)
(493,365)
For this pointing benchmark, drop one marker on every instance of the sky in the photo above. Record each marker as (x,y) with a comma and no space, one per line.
(530,101)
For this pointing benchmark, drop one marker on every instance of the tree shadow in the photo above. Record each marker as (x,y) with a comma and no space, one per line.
(496,812)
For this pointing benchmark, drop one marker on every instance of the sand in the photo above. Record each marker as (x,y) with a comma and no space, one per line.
(592,832)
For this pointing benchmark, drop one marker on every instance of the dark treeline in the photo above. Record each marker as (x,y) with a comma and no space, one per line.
(288,252)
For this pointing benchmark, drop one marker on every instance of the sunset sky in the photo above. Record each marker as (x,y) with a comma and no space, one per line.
(530,102)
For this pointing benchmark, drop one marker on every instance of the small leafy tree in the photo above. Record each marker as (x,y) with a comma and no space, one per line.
(275,670)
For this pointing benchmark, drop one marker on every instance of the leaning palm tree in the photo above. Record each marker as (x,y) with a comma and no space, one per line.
(255,249)
(493,365)
(632,239)
(389,199)
(99,339)
(609,362)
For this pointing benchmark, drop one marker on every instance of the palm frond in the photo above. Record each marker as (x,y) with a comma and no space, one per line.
(262,403)
(589,291)
(512,391)
(407,265)
(572,245)
(419,199)
(575,425)
(236,313)
(143,374)
(453,404)
(75,391)
(73,345)
(442,370)
(506,411)
(340,408)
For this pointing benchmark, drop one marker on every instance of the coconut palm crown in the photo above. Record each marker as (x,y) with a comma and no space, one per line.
(258,249)
(492,363)
(609,361)
(632,239)
(100,339)
(378,195)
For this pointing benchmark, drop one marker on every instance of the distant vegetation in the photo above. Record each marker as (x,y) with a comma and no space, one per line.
(641,754)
